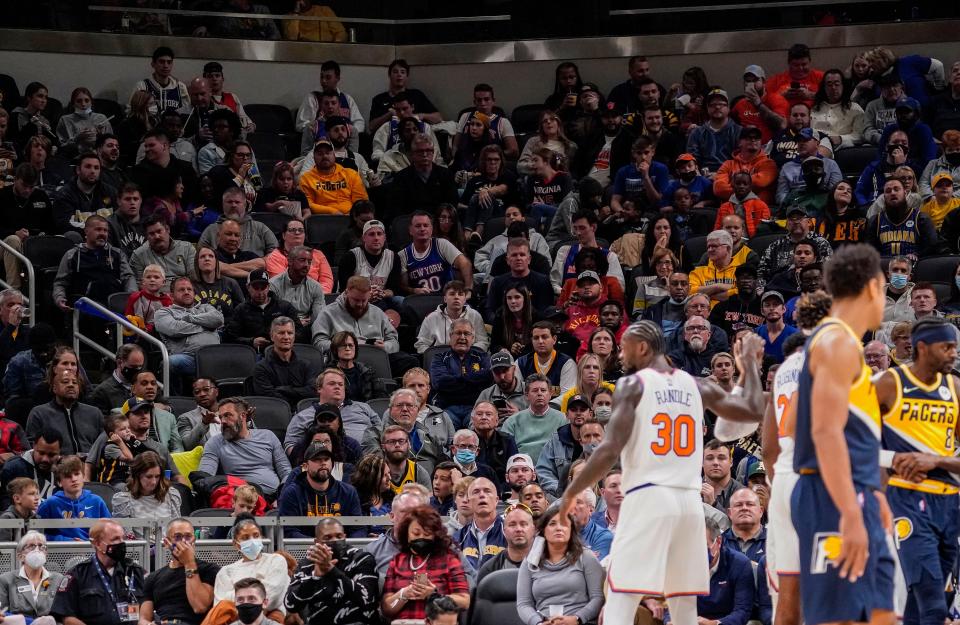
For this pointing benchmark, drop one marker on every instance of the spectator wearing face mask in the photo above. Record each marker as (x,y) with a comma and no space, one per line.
(947,163)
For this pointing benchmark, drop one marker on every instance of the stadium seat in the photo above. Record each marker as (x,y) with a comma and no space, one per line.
(103,491)
(852,161)
(270,118)
(935,269)
(272,413)
(180,405)
(399,236)
(526,118)
(45,251)
(694,248)
(277,222)
(303,404)
(267,148)
(229,363)
(111,108)
(117,302)
(314,357)
(422,305)
(379,404)
(200,513)
(322,233)
(329,298)
(496,600)
(942,289)
(497,226)
(760,243)
(376,359)
(427,357)
(9,91)
(54,111)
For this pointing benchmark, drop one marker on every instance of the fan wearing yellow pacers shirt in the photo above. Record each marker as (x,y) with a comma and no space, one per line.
(919,410)
(331,189)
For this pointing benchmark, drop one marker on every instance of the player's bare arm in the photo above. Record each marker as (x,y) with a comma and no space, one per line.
(749,405)
(769,440)
(835,364)
(628,392)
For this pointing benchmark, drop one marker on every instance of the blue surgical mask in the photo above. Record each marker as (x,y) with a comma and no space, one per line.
(466,457)
(898,280)
(86,112)
(589,448)
(251,548)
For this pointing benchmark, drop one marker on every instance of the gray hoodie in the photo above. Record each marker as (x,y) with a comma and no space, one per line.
(185,330)
(254,236)
(177,262)
(435,329)
(372,325)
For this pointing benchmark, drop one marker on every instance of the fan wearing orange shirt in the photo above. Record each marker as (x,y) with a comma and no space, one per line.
(331,189)
(801,81)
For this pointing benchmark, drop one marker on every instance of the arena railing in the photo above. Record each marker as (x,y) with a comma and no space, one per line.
(150,553)
(85,305)
(31,296)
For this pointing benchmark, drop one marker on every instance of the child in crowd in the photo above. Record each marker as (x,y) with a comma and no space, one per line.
(245,498)
(120,450)
(73,502)
(25,495)
(152,296)
(689,178)
(943,202)
(743,202)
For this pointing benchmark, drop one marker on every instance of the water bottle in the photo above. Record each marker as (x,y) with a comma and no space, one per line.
(254,175)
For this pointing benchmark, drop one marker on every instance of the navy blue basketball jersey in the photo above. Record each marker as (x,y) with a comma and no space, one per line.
(862,430)
(430,271)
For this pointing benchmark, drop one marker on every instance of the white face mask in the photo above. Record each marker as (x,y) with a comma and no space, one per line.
(35,559)
(85,112)
(251,548)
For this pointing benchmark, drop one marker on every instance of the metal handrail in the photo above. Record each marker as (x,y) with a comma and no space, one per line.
(124,322)
(31,296)
(300,18)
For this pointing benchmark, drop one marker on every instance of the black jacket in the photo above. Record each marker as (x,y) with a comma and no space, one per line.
(412,193)
(250,321)
(35,213)
(291,381)
(73,204)
(156,181)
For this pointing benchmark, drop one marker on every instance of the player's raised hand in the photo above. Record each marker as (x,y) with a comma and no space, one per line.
(854,546)
(748,346)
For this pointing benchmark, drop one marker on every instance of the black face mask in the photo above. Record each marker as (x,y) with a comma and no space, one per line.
(688,176)
(130,373)
(953,158)
(117,552)
(249,612)
(422,546)
(339,549)
(813,179)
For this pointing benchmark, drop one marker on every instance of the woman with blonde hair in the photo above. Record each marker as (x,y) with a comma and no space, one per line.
(589,379)
(550,135)
(922,76)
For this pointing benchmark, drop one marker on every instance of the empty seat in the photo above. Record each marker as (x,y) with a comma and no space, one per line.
(496,600)
(526,118)
(180,405)
(400,232)
(432,352)
(104,491)
(695,247)
(935,269)
(117,302)
(46,251)
(422,305)
(852,161)
(942,290)
(314,357)
(270,118)
(277,222)
(54,111)
(229,363)
(323,229)
(760,243)
(375,358)
(111,108)
(272,413)
(267,147)
(379,404)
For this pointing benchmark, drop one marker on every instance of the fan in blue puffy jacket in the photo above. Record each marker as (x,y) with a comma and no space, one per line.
(73,502)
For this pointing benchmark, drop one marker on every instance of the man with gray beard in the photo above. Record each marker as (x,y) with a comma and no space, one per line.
(694,355)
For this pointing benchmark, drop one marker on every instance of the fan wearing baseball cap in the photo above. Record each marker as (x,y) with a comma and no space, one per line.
(759,107)
(943,201)
(331,188)
(713,142)
(751,158)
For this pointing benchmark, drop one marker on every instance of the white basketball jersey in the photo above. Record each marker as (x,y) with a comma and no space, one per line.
(785,383)
(666,446)
(377,274)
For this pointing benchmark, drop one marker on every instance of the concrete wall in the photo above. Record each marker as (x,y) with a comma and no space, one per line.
(448,85)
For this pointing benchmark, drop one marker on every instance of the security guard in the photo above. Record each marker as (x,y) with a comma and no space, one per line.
(919,407)
(104,590)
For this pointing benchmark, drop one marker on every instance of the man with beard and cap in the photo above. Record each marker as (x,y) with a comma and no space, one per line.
(774,331)
(92,269)
(35,464)
(740,311)
(315,492)
(115,389)
(593,159)
(334,568)
(520,472)
(897,230)
(482,538)
(779,254)
(508,392)
(923,147)
(95,590)
(252,455)
(758,108)
(563,446)
(519,530)
(695,353)
(331,188)
(338,134)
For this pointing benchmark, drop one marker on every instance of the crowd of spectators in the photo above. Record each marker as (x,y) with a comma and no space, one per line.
(447,350)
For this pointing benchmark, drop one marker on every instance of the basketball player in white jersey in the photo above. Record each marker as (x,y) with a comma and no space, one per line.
(656,432)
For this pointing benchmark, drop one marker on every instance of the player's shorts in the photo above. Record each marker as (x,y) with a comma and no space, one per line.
(783,550)
(824,595)
(657,549)
(925,527)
